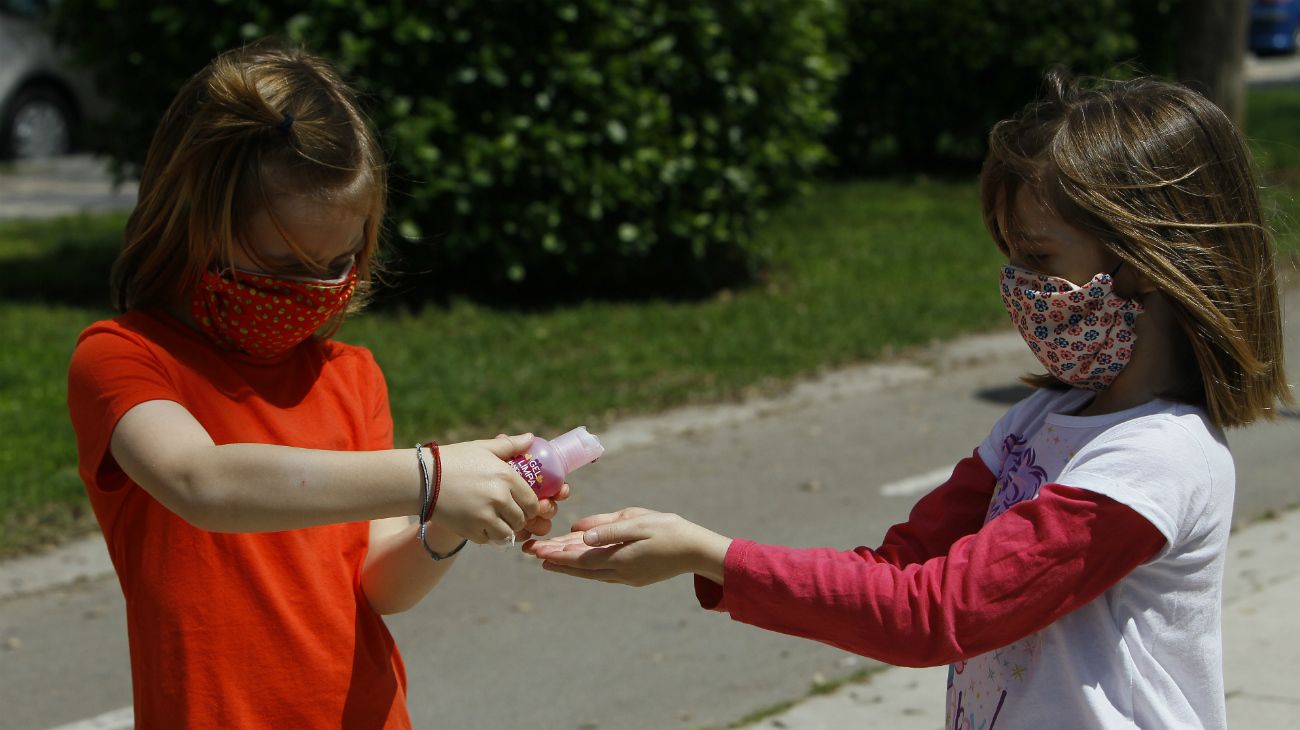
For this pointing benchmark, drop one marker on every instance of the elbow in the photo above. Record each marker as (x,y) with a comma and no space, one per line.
(200,514)
(198,501)
(390,609)
(917,645)
(926,660)
(938,648)
(387,603)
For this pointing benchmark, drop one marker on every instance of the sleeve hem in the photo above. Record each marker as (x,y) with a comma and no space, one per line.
(1122,494)
(712,596)
(103,452)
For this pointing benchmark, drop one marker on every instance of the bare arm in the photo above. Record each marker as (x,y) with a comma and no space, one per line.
(259,487)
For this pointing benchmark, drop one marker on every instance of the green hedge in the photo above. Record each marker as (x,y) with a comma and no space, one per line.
(928,78)
(607,145)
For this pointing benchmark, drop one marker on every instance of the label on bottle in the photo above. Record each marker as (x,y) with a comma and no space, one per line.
(530,469)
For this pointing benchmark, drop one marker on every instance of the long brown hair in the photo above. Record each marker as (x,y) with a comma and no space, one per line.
(1164,180)
(257,122)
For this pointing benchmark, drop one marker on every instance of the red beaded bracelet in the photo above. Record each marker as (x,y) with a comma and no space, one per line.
(432,446)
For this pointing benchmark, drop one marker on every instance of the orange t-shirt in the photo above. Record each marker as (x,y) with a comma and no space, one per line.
(256,630)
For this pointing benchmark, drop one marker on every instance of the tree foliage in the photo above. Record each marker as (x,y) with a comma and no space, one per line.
(611,146)
(928,78)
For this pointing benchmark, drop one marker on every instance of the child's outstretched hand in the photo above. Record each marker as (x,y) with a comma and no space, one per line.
(635,547)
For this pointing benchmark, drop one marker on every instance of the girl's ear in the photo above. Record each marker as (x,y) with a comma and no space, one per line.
(1144,284)
(1133,284)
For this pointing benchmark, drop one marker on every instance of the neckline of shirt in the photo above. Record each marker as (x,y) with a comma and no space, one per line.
(1076,399)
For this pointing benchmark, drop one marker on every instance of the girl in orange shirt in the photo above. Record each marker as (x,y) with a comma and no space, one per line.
(240,462)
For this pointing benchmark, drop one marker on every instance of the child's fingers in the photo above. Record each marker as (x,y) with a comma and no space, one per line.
(498,531)
(506,447)
(537,526)
(561,540)
(586,523)
(573,549)
(626,530)
(541,524)
(547,508)
(605,576)
(545,551)
(513,515)
(563,493)
(524,496)
(534,546)
(590,521)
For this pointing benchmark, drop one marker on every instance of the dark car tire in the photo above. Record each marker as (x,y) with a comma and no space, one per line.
(41,104)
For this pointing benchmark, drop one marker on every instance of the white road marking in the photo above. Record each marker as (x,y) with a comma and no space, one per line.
(120,719)
(917,484)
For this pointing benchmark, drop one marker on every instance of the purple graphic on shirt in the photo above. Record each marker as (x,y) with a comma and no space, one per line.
(1019,477)
(980,688)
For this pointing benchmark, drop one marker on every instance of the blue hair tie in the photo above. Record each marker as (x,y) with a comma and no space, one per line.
(286,122)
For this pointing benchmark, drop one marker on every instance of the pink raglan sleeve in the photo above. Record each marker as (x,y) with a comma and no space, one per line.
(1015,575)
(953,509)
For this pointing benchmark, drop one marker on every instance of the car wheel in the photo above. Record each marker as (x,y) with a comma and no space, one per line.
(39,123)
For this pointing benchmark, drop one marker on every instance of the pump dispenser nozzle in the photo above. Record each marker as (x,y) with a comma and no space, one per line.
(577,448)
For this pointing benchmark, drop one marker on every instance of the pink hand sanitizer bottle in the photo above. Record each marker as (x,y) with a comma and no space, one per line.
(546,463)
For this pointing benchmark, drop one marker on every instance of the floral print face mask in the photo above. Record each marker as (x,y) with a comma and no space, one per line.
(266,316)
(1083,335)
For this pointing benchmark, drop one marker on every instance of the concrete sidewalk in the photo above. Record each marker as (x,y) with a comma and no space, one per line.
(1261,651)
(61,186)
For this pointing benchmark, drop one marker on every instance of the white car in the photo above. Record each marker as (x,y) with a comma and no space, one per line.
(44,100)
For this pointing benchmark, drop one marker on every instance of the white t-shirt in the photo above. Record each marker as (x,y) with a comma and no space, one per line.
(1148,652)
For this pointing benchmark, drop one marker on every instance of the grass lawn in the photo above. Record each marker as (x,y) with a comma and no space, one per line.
(858,269)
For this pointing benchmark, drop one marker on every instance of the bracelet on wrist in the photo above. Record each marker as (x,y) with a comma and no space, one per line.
(436,488)
(423,535)
(430,488)
(426,505)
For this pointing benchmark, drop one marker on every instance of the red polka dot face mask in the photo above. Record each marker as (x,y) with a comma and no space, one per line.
(1083,335)
(266,316)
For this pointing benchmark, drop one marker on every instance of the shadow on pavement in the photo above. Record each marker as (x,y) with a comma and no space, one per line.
(1004,394)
